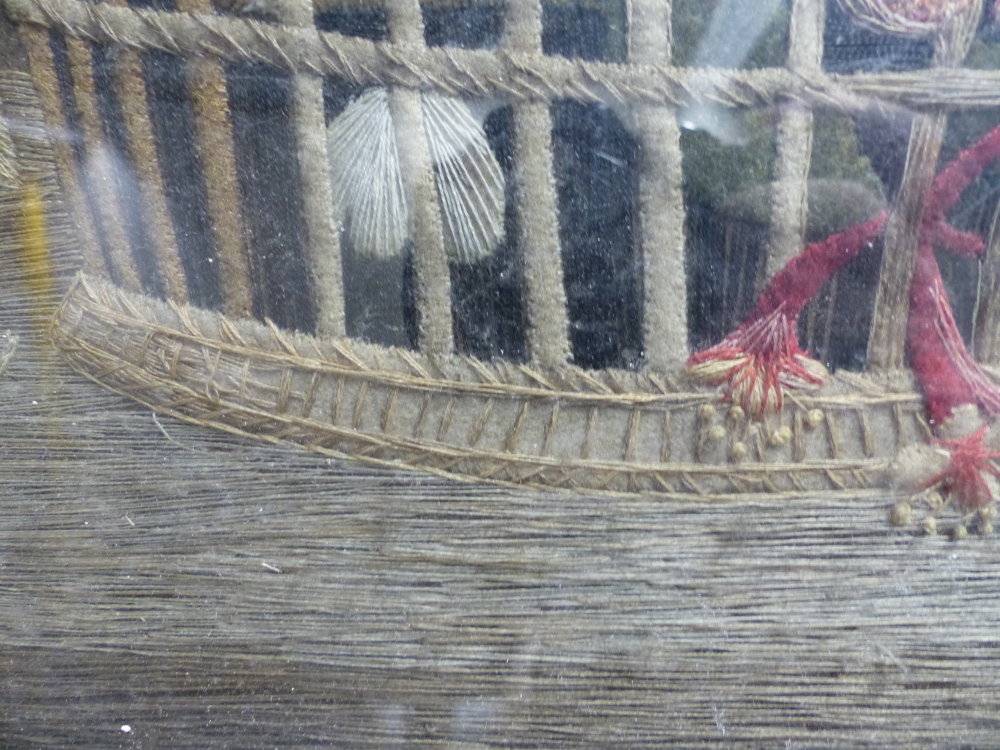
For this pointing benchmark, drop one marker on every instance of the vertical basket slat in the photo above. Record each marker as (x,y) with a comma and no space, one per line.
(142,146)
(987,333)
(322,236)
(406,28)
(887,343)
(661,200)
(790,189)
(97,153)
(548,319)
(214,133)
(43,73)
(987,341)
(886,346)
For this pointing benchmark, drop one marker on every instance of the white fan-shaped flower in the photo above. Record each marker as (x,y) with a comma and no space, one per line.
(368,184)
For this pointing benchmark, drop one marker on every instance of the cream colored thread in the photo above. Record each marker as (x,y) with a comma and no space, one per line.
(517,76)
(212,362)
(389,410)
(338,401)
(666,437)
(661,201)
(833,434)
(631,436)
(433,279)
(590,435)
(790,190)
(284,391)
(538,211)
(867,436)
(510,444)
(835,479)
(449,411)
(426,230)
(550,429)
(322,244)
(664,484)
(796,481)
(418,426)
(548,322)
(309,398)
(481,422)
(759,443)
(798,437)
(359,405)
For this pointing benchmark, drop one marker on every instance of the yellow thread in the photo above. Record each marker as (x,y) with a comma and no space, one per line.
(39,273)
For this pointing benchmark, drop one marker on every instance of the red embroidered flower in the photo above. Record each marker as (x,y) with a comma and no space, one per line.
(762,356)
(757,361)
(964,478)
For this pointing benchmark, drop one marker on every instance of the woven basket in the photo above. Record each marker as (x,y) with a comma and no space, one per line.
(142,319)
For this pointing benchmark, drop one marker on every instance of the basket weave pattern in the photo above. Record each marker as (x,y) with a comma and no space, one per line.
(457,416)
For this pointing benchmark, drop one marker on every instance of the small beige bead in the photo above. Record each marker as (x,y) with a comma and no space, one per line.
(739,451)
(706,411)
(781,436)
(959,532)
(716,433)
(930,526)
(900,514)
(988,513)
(814,418)
(986,529)
(736,414)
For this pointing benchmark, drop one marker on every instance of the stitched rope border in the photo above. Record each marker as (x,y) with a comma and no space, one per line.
(516,76)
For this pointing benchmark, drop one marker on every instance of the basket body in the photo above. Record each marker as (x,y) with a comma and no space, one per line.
(218,285)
